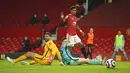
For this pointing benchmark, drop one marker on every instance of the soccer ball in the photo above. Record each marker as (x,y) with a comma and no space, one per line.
(110,63)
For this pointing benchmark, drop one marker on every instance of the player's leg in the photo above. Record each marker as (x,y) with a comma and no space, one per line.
(29,63)
(34,56)
(71,40)
(89,50)
(23,57)
(74,62)
(123,51)
(115,51)
(36,59)
(84,61)
(40,59)
(77,40)
(49,60)
(95,61)
(99,57)
(83,50)
(98,60)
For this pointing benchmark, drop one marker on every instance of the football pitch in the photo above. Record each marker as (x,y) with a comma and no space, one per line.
(7,67)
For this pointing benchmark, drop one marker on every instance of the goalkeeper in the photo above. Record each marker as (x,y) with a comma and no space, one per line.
(50,51)
(69,60)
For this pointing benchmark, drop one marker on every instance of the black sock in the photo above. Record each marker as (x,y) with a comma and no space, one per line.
(90,50)
(84,52)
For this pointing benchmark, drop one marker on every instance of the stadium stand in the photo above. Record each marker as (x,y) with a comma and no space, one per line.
(15,16)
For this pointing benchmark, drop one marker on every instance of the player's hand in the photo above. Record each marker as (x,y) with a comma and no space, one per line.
(62,64)
(50,59)
(82,33)
(62,15)
(114,45)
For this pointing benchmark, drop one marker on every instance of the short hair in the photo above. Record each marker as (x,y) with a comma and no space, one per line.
(64,38)
(48,33)
(119,30)
(73,7)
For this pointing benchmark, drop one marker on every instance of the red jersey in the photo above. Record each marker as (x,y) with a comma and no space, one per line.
(71,21)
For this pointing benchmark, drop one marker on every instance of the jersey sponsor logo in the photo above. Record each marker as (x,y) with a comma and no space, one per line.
(72,18)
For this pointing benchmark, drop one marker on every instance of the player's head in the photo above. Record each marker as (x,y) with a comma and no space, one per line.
(64,40)
(91,30)
(25,37)
(35,15)
(45,15)
(73,10)
(119,32)
(47,36)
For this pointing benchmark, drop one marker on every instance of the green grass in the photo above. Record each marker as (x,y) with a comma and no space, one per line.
(7,67)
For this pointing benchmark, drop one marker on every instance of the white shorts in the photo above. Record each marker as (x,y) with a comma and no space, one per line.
(73,39)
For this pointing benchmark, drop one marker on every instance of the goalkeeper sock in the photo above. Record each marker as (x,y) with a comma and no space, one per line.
(95,62)
(20,59)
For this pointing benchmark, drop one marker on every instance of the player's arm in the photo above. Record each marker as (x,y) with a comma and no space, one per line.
(78,28)
(115,42)
(53,53)
(51,46)
(69,45)
(123,39)
(69,54)
(45,51)
(64,18)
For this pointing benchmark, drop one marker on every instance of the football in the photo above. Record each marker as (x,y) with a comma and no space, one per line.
(110,63)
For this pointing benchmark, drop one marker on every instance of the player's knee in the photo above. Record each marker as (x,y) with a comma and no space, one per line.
(123,51)
(80,45)
(28,53)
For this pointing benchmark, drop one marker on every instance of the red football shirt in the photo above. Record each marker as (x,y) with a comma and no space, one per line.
(71,21)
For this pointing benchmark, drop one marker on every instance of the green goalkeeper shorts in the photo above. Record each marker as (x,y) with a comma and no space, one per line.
(74,62)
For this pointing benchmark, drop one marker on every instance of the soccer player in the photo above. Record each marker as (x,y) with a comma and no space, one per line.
(50,51)
(71,21)
(119,45)
(69,60)
(90,37)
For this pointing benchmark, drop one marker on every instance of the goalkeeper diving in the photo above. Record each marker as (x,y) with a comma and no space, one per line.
(68,59)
